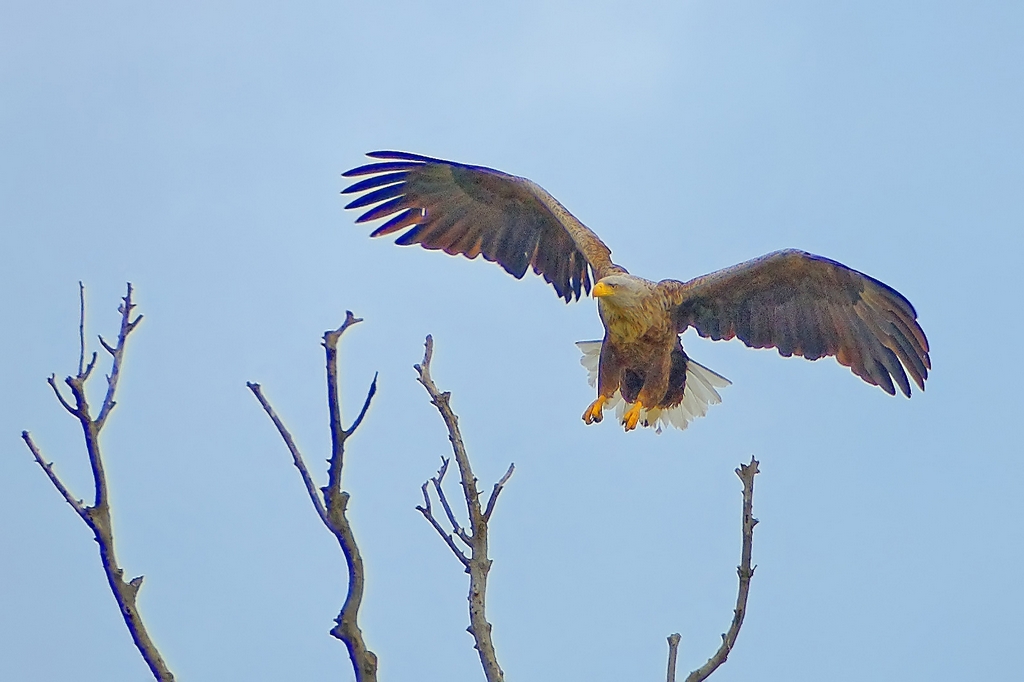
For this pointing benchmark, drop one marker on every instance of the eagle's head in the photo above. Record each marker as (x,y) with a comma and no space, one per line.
(622,290)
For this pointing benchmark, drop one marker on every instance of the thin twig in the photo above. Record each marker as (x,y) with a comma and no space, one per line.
(673,652)
(338,434)
(300,464)
(81,328)
(76,504)
(479,565)
(746,472)
(84,370)
(334,504)
(447,537)
(127,326)
(52,381)
(98,516)
(439,489)
(498,487)
(366,405)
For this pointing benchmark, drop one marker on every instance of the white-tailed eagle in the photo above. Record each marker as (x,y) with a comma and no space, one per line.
(794,301)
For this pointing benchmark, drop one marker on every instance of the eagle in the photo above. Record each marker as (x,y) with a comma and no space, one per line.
(797,302)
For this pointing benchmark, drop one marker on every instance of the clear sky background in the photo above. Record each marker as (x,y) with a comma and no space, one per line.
(195,149)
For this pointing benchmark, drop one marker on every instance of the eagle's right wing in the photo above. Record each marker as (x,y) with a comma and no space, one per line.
(472,210)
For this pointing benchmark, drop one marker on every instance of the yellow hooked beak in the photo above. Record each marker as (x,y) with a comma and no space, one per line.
(601,289)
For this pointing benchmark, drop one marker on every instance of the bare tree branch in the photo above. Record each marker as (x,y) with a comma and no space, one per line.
(76,504)
(457,528)
(447,537)
(479,565)
(128,325)
(334,504)
(52,381)
(81,328)
(673,652)
(300,464)
(746,472)
(97,516)
(366,405)
(498,487)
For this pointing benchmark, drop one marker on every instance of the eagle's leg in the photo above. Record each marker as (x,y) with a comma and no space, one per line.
(607,382)
(632,416)
(595,412)
(654,389)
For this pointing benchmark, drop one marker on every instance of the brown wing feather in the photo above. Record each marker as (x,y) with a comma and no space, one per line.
(472,210)
(807,305)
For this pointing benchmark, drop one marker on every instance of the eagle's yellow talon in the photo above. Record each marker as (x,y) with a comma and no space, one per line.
(632,416)
(595,412)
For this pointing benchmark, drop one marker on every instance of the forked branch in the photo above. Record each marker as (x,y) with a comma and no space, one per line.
(745,570)
(331,502)
(477,564)
(97,516)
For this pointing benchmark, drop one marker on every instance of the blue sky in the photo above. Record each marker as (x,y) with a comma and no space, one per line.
(195,149)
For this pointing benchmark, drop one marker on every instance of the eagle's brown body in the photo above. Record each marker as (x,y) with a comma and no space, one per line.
(794,301)
(639,344)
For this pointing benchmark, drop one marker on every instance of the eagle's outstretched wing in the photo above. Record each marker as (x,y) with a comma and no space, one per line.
(807,305)
(472,210)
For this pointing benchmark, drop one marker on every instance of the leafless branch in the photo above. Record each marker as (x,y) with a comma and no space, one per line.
(457,528)
(746,472)
(128,325)
(97,516)
(52,381)
(75,503)
(366,405)
(498,487)
(84,370)
(427,512)
(478,565)
(673,652)
(300,464)
(81,328)
(333,505)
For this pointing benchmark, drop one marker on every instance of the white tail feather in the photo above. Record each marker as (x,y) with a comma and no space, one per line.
(700,392)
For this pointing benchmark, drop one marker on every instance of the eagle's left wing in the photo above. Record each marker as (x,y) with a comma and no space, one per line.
(807,305)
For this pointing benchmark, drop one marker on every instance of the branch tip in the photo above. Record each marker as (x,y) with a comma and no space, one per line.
(478,564)
(366,406)
(332,505)
(97,515)
(673,652)
(498,487)
(745,572)
(289,442)
(106,346)
(81,327)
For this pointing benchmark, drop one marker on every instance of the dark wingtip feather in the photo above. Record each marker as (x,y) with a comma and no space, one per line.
(374,168)
(377,195)
(403,219)
(375,181)
(412,236)
(383,210)
(403,156)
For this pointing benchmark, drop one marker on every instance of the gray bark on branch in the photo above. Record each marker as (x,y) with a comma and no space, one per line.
(746,472)
(97,515)
(477,564)
(331,502)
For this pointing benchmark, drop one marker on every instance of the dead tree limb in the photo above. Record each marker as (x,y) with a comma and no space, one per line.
(97,515)
(673,652)
(331,502)
(746,472)
(477,564)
